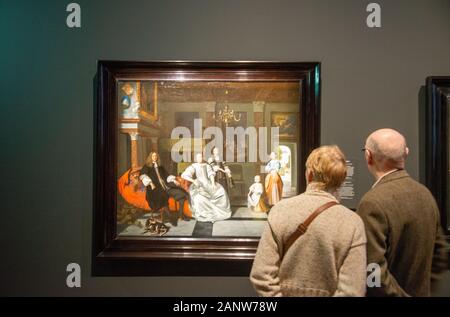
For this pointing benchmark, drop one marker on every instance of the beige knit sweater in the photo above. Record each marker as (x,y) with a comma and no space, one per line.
(328,260)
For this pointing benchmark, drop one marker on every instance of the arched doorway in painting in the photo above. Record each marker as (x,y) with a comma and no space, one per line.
(288,160)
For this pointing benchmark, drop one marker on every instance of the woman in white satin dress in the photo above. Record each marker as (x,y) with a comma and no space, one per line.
(209,201)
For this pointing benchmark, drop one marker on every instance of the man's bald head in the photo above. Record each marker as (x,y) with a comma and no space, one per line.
(388,149)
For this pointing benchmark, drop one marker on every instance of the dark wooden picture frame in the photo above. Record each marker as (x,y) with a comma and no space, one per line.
(140,256)
(437,143)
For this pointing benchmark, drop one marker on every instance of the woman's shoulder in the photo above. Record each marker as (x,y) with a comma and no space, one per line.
(347,212)
(292,204)
(352,223)
(306,202)
(348,217)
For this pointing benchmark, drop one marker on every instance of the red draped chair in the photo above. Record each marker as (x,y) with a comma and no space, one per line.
(131,189)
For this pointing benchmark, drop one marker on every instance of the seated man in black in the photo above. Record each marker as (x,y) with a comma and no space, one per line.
(179,194)
(154,177)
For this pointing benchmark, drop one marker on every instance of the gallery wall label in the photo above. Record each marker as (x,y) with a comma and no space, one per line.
(347,190)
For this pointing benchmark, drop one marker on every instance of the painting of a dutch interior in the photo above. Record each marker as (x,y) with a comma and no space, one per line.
(204,159)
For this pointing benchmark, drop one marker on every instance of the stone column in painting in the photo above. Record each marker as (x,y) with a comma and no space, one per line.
(134,150)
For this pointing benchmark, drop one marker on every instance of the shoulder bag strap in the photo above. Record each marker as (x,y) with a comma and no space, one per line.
(305,224)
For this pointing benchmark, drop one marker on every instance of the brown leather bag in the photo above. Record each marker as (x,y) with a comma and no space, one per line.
(305,224)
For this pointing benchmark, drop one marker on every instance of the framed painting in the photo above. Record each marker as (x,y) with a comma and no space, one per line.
(437,167)
(190,158)
(287,122)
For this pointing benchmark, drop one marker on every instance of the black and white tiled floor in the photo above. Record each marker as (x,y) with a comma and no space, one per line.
(243,223)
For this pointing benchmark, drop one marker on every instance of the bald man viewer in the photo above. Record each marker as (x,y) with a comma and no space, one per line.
(401,217)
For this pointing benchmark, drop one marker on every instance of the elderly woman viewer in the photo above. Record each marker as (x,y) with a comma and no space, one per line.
(329,259)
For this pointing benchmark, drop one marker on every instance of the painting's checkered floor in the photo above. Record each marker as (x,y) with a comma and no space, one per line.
(243,223)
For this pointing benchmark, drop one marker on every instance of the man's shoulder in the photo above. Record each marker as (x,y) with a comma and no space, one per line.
(405,184)
(391,190)
(373,200)
(144,168)
(373,194)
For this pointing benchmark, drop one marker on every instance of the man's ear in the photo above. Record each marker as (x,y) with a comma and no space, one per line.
(406,152)
(369,158)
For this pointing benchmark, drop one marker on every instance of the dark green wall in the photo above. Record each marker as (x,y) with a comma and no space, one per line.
(371,79)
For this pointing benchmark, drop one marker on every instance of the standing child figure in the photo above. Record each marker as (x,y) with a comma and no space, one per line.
(255,200)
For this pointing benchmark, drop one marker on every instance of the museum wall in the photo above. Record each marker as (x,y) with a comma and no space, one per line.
(371,78)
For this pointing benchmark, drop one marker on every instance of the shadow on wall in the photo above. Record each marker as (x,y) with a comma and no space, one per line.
(422,120)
